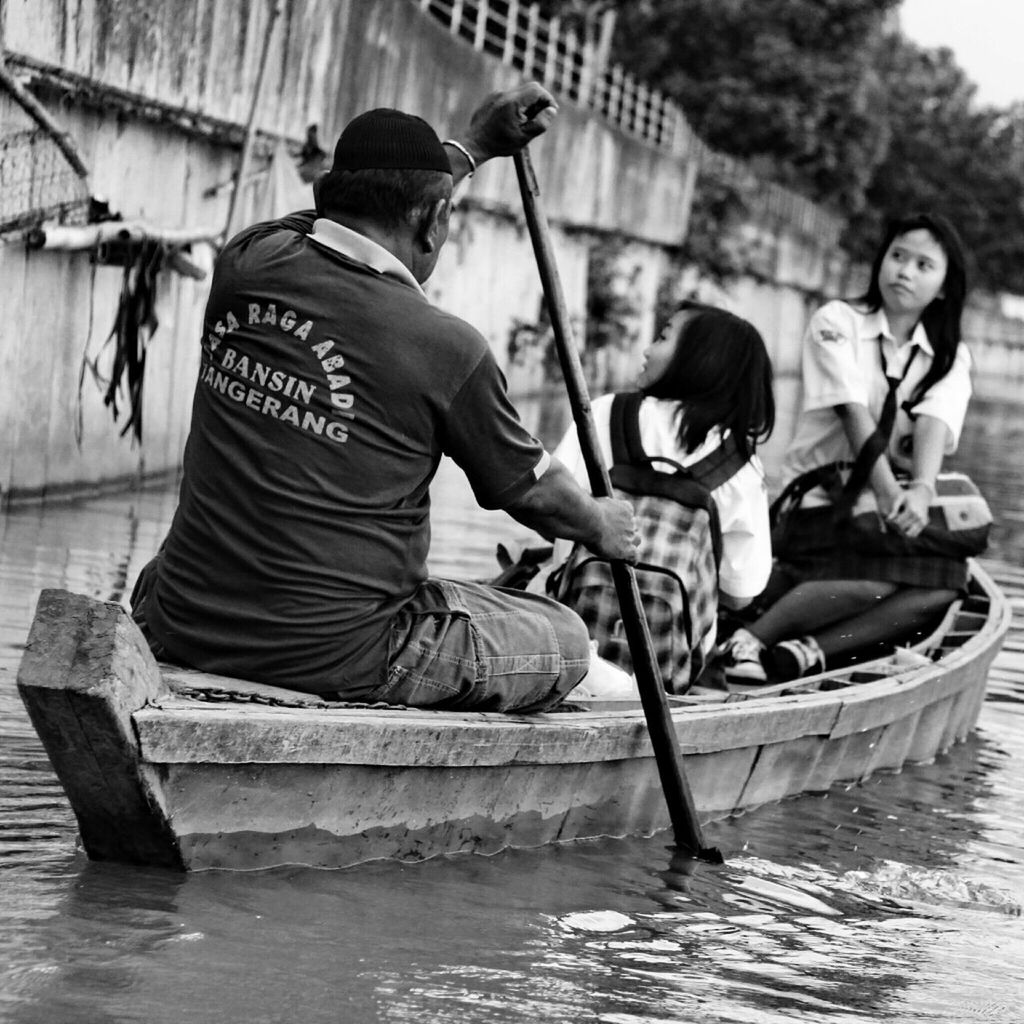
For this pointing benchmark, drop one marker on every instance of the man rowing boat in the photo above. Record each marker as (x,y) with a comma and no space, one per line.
(328,391)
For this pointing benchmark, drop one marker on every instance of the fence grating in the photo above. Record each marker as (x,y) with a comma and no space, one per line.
(576,71)
(36,181)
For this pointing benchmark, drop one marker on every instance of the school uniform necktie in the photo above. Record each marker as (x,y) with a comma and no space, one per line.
(887,418)
(878,442)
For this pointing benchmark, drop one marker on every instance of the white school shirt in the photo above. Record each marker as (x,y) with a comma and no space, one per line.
(742,500)
(841,365)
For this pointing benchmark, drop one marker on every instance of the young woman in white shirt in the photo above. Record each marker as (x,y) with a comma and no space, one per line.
(902,335)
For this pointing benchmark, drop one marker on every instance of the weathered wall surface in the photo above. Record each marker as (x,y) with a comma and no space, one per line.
(58,308)
(95,64)
(156,96)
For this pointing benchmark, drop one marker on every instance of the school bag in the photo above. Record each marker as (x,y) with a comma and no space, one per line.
(680,551)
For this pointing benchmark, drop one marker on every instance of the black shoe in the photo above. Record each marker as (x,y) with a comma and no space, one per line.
(794,659)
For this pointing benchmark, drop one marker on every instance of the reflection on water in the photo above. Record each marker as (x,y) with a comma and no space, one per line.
(990,452)
(898,899)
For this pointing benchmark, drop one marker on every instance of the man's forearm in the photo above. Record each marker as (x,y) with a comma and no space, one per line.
(556,506)
(930,436)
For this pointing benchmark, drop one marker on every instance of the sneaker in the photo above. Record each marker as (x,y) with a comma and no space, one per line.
(741,658)
(794,659)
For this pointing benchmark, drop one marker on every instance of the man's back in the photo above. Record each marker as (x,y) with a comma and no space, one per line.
(326,395)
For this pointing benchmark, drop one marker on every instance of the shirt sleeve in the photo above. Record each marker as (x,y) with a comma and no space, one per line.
(746,540)
(570,452)
(831,372)
(570,455)
(947,399)
(483,434)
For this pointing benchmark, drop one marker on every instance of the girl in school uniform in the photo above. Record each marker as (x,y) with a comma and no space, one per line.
(705,388)
(889,377)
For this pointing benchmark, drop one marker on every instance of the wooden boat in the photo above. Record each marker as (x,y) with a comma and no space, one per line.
(158,775)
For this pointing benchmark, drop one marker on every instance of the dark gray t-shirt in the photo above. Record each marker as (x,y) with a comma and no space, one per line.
(327,394)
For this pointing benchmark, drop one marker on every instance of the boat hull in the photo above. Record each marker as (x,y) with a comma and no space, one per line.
(193,784)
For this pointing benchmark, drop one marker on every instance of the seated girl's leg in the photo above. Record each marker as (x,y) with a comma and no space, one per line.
(782,580)
(799,613)
(903,612)
(815,604)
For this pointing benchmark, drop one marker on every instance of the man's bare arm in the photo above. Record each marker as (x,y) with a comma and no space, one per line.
(556,506)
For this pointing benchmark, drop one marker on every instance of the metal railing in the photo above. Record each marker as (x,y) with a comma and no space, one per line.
(578,71)
(574,69)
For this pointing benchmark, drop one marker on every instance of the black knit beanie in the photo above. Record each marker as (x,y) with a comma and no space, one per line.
(386,138)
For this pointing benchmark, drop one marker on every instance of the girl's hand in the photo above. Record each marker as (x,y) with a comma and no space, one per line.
(909,512)
(888,500)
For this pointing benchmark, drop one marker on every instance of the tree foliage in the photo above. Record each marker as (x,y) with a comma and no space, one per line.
(825,97)
(949,155)
(788,85)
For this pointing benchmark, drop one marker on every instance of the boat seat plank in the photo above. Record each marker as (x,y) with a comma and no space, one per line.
(179,680)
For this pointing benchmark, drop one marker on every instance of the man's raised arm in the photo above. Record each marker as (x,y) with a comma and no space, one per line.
(502,124)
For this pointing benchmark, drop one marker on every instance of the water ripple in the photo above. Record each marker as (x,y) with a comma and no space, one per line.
(895,899)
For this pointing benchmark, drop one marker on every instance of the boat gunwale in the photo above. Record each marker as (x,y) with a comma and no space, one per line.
(378,737)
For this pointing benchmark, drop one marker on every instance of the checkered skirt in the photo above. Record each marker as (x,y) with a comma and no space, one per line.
(809,543)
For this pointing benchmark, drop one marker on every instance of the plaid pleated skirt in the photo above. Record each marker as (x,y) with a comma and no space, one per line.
(810,544)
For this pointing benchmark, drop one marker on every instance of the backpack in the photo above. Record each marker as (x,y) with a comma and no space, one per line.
(680,551)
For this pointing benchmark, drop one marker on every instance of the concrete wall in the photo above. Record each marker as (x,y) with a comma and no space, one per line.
(58,309)
(156,95)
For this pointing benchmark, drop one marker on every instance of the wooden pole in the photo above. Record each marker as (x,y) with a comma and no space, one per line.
(70,237)
(250,128)
(42,117)
(682,812)
(511,31)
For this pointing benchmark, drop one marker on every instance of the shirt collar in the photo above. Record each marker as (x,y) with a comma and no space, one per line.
(876,324)
(361,249)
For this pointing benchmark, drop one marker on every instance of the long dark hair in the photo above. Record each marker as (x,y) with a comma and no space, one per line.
(721,374)
(941,317)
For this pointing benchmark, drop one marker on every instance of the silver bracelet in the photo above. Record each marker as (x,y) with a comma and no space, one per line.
(465,152)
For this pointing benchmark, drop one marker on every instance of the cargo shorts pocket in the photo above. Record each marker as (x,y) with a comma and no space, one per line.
(470,646)
(432,657)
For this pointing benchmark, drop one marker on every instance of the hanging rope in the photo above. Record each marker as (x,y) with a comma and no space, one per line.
(134,326)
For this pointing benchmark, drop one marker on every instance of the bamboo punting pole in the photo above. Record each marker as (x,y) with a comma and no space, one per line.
(43,118)
(250,129)
(682,812)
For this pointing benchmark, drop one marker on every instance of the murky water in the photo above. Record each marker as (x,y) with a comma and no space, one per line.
(896,900)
